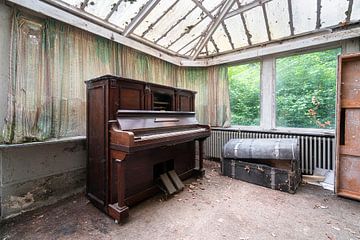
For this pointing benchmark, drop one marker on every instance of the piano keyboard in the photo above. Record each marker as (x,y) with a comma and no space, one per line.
(169,134)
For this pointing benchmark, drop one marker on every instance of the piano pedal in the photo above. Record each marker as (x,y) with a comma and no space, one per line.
(172,183)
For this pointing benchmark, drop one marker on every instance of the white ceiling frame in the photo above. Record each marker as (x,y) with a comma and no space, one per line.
(115,8)
(305,42)
(199,4)
(246,7)
(140,16)
(217,21)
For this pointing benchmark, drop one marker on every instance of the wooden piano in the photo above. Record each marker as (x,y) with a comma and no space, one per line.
(137,131)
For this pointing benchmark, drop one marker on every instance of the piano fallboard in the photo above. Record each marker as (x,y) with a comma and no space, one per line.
(140,130)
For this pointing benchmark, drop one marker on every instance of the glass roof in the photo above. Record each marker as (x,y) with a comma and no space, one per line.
(181,27)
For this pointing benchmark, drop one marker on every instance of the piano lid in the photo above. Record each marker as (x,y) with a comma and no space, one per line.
(138,119)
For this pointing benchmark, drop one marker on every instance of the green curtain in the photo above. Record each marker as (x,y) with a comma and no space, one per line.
(50,61)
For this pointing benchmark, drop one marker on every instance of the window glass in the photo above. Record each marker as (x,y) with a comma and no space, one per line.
(244,90)
(306,89)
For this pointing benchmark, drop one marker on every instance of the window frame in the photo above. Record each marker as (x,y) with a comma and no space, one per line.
(259,61)
(268,93)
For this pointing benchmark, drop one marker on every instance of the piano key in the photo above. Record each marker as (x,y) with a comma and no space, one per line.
(169,134)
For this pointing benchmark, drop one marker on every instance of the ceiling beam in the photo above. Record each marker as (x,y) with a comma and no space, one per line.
(348,12)
(227,35)
(199,4)
(140,16)
(318,14)
(266,21)
(212,28)
(246,7)
(291,18)
(114,9)
(174,25)
(151,26)
(193,26)
(247,32)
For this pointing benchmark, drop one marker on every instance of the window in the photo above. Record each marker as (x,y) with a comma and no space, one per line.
(244,82)
(306,90)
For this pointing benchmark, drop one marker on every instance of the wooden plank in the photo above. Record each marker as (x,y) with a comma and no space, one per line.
(246,7)
(170,188)
(149,6)
(318,14)
(176,180)
(213,27)
(347,135)
(291,21)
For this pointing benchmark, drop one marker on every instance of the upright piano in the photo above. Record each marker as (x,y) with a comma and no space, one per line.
(137,131)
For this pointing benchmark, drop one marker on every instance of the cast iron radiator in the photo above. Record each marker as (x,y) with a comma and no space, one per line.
(316,151)
(272,163)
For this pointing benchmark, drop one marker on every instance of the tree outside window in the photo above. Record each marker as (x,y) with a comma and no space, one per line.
(306,90)
(244,88)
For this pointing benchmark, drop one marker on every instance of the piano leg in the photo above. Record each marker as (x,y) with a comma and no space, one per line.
(119,211)
(201,169)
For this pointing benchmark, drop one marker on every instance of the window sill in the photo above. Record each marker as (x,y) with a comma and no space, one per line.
(50,141)
(296,131)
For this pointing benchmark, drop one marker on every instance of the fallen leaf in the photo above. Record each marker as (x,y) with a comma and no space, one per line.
(336,228)
(320,206)
(351,231)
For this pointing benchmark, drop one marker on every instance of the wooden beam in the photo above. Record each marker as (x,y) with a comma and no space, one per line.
(194,39)
(348,12)
(246,7)
(151,26)
(227,35)
(115,7)
(174,25)
(308,41)
(216,22)
(248,35)
(197,23)
(140,17)
(199,4)
(266,21)
(80,19)
(318,14)
(215,46)
(291,18)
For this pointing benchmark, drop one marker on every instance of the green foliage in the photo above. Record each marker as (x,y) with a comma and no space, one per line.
(244,83)
(306,89)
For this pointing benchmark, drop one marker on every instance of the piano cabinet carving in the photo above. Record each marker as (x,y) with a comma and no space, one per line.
(126,142)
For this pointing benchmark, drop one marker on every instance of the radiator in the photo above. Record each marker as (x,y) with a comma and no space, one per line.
(315,151)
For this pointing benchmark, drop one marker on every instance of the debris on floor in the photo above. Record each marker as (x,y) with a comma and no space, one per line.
(225,209)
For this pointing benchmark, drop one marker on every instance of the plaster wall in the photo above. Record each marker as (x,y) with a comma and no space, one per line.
(34,175)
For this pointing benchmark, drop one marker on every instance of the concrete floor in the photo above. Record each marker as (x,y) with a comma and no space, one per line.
(215,207)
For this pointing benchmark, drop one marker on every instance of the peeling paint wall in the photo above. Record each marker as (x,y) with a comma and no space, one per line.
(34,175)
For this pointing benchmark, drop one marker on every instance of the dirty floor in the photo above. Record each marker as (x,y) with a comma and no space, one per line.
(215,207)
